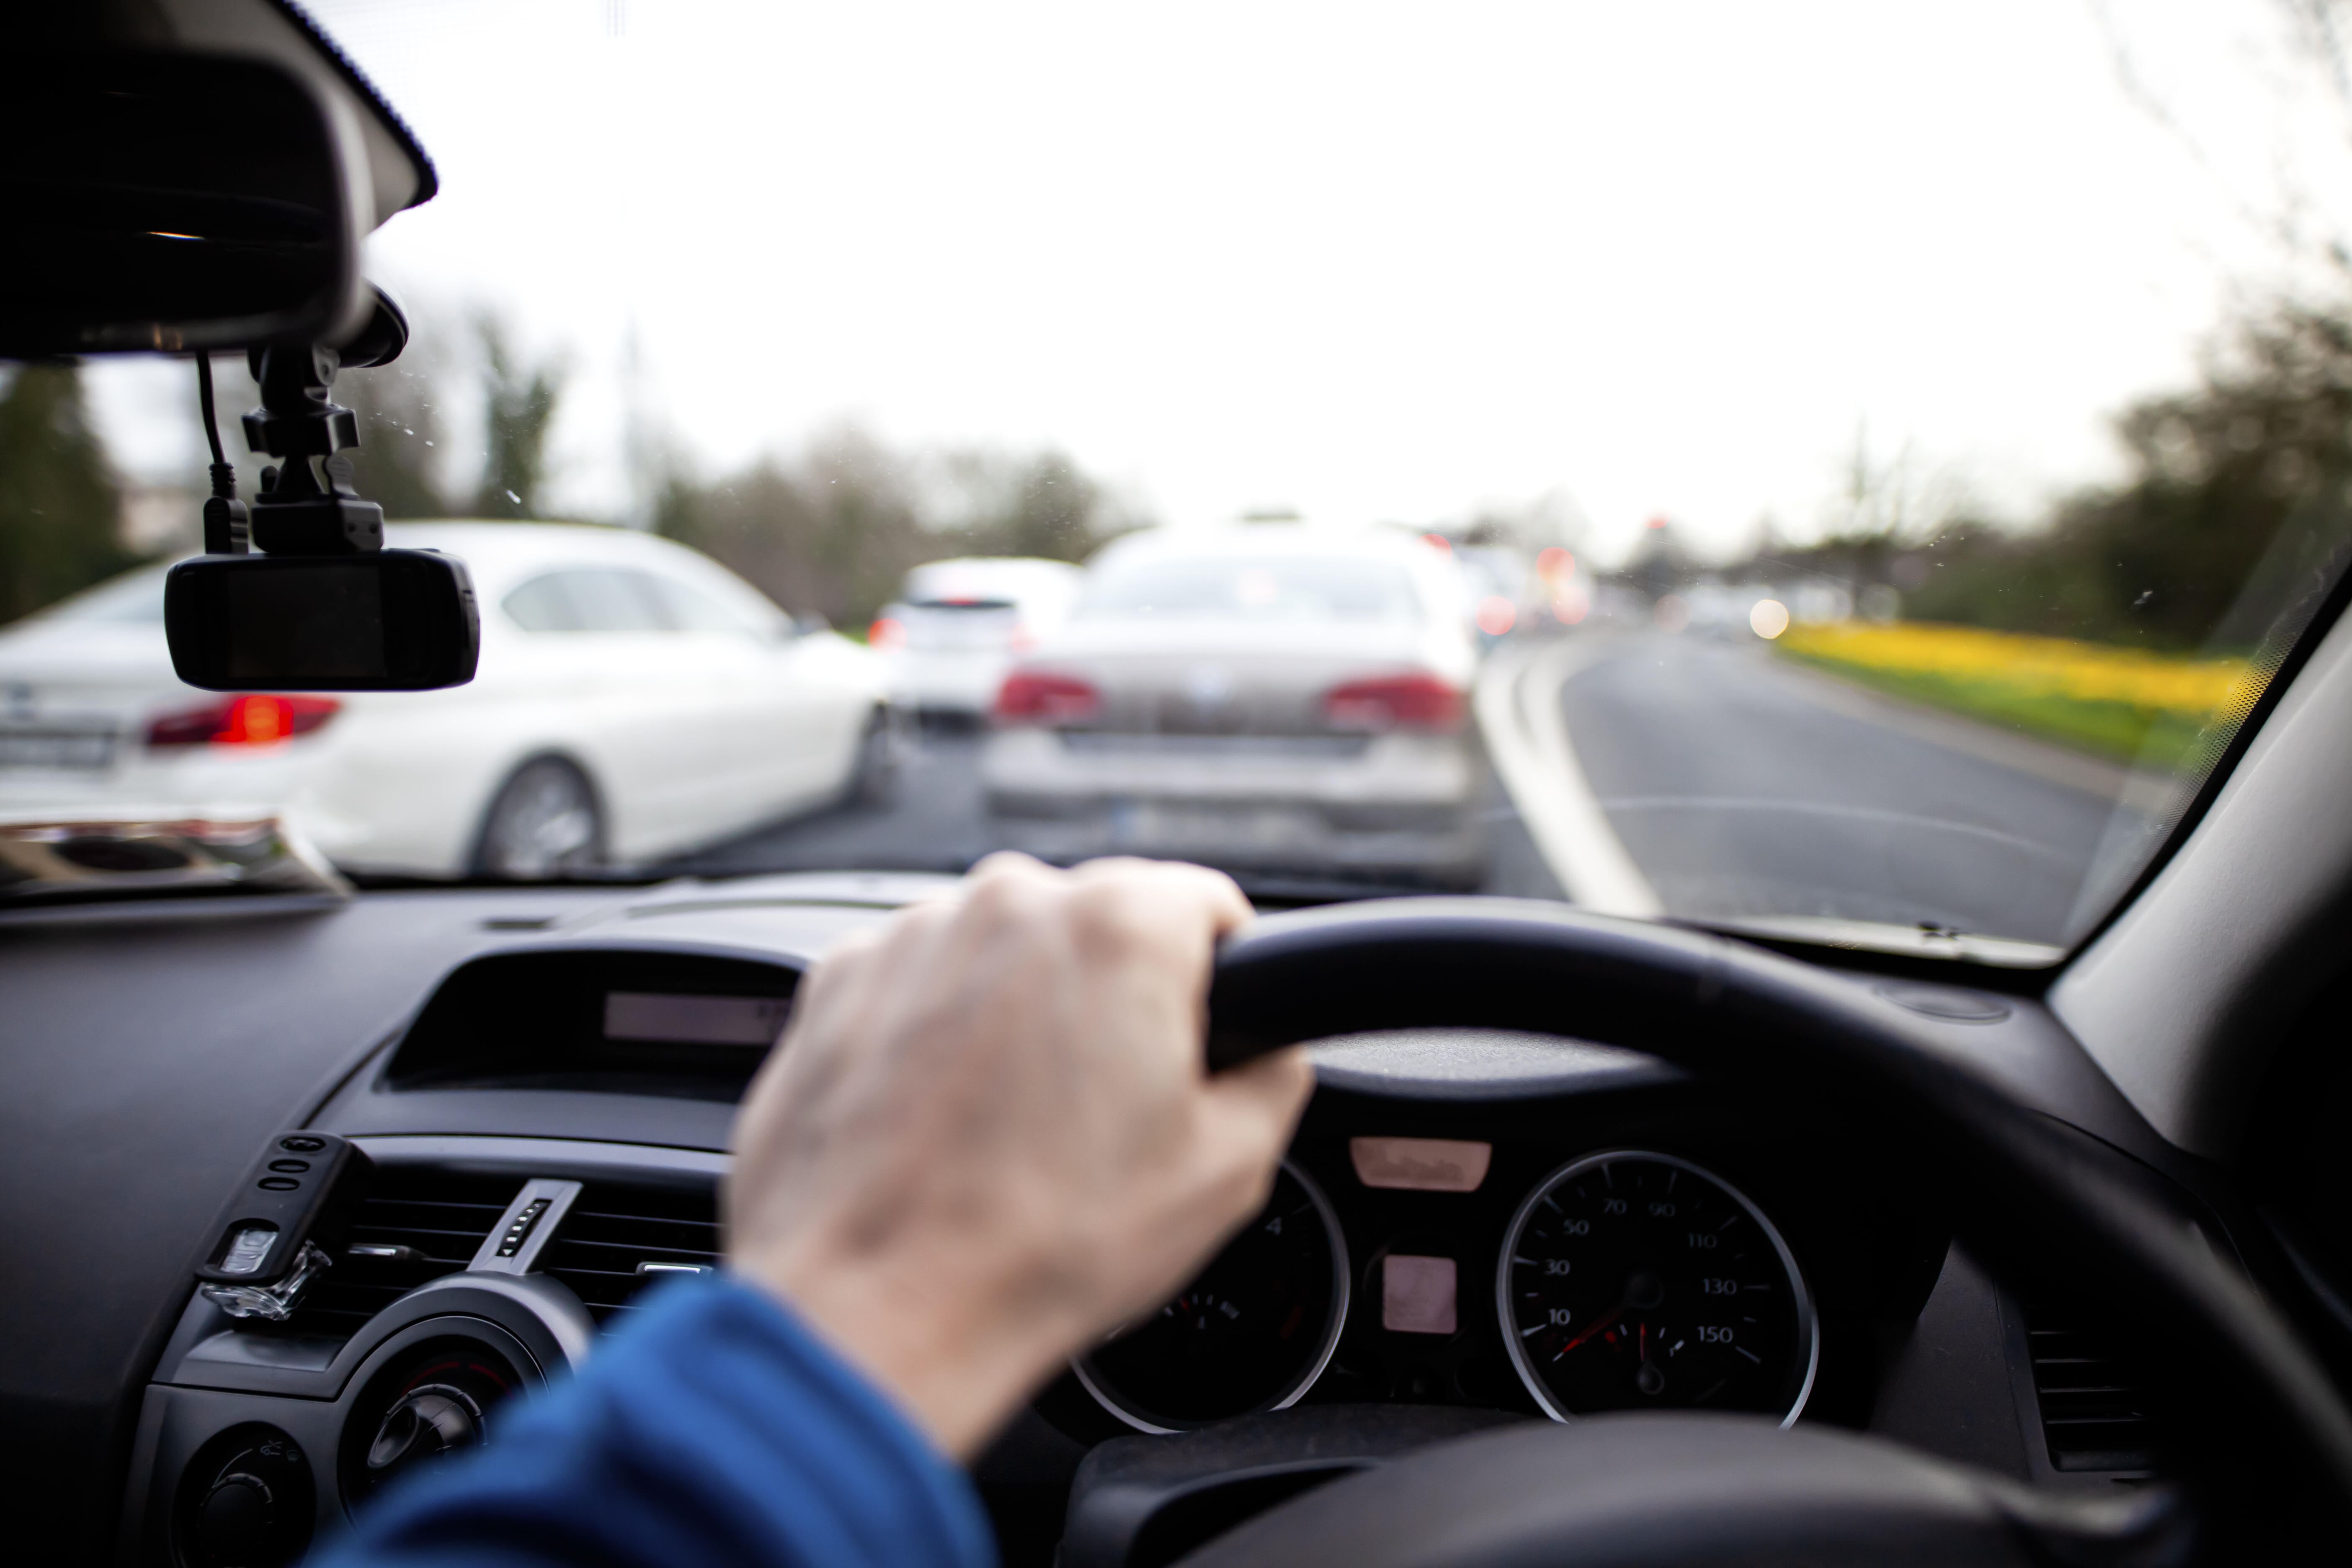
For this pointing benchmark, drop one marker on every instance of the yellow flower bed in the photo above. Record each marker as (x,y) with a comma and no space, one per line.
(2032,667)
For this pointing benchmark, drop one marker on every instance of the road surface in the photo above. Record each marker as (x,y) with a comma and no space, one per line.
(1742,785)
(1728,784)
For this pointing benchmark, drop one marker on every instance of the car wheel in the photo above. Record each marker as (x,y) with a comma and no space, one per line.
(874,778)
(544,823)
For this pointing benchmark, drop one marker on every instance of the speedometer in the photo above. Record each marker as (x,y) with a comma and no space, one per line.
(1637,1281)
(1251,1331)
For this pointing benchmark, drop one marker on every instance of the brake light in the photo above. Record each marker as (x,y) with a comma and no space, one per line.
(886,634)
(251,720)
(1415,700)
(1039,697)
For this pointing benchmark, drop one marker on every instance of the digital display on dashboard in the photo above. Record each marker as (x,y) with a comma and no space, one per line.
(694,1020)
(1421,1164)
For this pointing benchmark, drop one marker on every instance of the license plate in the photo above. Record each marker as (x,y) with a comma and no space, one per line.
(56,748)
(1143,824)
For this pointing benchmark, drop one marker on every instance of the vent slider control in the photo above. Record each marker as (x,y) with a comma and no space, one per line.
(515,1243)
(511,1242)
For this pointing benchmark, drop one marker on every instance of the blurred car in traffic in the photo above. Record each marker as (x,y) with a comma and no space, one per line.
(636,700)
(957,624)
(1504,595)
(1274,698)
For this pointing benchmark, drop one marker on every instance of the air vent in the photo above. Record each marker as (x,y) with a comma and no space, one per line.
(415,1224)
(2095,1413)
(618,1240)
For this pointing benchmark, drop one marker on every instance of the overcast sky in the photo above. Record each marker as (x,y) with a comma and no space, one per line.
(1368,261)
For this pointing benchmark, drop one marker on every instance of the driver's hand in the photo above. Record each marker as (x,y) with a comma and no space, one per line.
(988,1137)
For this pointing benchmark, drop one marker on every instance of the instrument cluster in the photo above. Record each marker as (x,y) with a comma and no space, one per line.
(1684,1262)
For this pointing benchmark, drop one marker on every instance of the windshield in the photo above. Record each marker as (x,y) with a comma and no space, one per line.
(1833,471)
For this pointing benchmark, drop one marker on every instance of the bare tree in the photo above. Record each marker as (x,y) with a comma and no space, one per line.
(519,409)
(402,461)
(2304,63)
(990,502)
(833,529)
(58,492)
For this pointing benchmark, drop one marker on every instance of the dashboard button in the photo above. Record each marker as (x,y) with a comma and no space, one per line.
(246,1501)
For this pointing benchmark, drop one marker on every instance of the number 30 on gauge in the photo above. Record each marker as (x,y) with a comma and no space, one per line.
(1632,1280)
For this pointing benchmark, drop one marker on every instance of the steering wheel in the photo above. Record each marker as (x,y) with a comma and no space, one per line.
(2264,1420)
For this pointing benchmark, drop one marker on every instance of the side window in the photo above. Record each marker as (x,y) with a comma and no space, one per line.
(692,610)
(590,599)
(542,605)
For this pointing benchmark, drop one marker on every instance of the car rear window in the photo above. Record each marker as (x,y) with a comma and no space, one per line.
(689,609)
(1255,588)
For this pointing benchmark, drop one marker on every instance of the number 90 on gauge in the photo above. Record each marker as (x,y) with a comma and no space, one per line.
(1632,1280)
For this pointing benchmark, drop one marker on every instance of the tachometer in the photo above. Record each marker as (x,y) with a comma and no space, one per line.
(1635,1281)
(1252,1331)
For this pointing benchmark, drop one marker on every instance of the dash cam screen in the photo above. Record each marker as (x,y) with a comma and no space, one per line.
(322,619)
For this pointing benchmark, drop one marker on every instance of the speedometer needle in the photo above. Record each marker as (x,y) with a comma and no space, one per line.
(1599,1324)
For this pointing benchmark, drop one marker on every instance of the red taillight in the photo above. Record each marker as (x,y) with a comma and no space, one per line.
(248,720)
(1038,697)
(886,634)
(1418,700)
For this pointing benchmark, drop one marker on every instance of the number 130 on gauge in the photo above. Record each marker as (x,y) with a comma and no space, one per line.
(1632,1280)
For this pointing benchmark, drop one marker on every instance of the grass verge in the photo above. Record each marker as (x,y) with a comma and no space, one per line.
(2122,703)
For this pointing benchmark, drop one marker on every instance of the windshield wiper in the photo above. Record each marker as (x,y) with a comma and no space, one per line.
(1924,940)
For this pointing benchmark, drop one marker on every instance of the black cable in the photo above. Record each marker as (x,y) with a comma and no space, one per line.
(204,398)
(223,476)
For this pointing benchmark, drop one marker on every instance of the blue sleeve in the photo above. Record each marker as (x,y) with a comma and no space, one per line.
(712,1429)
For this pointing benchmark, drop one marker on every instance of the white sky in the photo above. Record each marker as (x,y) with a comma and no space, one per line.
(1368,260)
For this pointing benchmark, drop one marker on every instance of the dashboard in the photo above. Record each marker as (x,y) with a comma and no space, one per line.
(500,1118)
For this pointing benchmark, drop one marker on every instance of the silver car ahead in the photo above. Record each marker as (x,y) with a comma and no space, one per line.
(1277,699)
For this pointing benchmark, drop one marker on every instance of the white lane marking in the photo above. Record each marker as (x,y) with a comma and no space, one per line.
(1518,708)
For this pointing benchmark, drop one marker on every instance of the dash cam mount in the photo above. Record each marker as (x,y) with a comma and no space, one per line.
(306,505)
(297,591)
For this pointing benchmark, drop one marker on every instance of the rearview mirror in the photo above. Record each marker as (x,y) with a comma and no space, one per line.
(391,620)
(174,202)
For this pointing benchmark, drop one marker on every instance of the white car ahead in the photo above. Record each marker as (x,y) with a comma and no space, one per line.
(636,700)
(1273,699)
(958,625)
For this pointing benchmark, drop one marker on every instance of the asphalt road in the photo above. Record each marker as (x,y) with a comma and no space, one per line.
(935,824)
(1739,786)
(1743,786)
